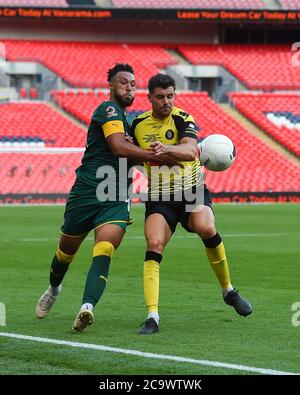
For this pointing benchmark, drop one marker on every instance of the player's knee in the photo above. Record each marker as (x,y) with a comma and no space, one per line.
(68,245)
(206,231)
(62,257)
(155,244)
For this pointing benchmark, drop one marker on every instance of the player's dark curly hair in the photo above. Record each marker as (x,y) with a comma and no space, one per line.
(119,67)
(161,81)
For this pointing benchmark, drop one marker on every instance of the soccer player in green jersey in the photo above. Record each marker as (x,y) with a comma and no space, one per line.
(176,196)
(88,208)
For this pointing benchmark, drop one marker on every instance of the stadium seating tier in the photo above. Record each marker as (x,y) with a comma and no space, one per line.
(276,114)
(84,65)
(38,172)
(39,119)
(260,67)
(257,167)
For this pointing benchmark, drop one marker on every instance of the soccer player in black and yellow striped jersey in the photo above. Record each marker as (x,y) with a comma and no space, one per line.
(85,209)
(179,195)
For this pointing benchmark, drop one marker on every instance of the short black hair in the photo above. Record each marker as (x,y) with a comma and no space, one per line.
(161,81)
(119,67)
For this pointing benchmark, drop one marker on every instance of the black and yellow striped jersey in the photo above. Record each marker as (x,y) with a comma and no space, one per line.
(179,124)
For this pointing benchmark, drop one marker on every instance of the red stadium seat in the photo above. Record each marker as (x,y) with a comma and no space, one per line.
(23,93)
(33,93)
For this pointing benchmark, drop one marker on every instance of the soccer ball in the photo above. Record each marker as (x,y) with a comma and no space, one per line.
(217,152)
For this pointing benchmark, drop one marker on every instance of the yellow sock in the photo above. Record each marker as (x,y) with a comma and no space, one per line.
(62,257)
(103,248)
(151,285)
(219,264)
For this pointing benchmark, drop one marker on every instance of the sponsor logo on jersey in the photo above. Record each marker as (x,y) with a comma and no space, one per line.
(151,138)
(111,112)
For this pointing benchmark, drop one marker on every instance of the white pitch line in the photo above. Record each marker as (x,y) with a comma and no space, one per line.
(188,236)
(147,354)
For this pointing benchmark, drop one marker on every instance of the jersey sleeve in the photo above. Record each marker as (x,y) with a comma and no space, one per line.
(136,122)
(132,130)
(110,119)
(186,125)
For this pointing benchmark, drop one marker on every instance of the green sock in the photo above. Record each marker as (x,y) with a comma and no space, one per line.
(96,279)
(57,271)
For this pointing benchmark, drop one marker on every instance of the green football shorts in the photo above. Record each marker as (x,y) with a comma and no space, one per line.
(84,213)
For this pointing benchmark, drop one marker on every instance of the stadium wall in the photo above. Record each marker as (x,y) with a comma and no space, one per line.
(110,31)
(151,31)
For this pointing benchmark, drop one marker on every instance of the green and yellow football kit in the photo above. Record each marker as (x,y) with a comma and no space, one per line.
(84,211)
(87,209)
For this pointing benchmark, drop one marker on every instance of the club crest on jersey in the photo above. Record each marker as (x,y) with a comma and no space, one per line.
(169,134)
(111,112)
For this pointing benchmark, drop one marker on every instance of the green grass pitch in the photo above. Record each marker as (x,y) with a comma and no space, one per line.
(262,243)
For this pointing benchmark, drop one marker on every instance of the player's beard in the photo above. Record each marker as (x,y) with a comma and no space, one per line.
(166,110)
(124,100)
(163,112)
